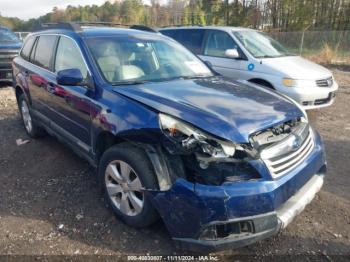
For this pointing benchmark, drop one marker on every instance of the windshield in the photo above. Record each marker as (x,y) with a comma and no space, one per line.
(260,45)
(133,59)
(7,36)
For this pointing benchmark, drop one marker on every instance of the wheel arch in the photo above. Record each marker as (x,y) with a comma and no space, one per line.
(103,141)
(20,90)
(164,170)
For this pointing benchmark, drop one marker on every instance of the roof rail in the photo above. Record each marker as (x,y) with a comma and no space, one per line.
(182,25)
(77,26)
(144,28)
(112,24)
(61,25)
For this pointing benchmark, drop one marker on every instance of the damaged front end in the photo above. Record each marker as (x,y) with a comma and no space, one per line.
(216,194)
(208,160)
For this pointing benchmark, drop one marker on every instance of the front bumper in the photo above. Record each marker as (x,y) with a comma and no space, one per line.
(265,225)
(311,97)
(5,72)
(242,212)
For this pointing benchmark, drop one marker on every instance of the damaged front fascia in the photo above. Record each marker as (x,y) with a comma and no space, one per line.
(160,167)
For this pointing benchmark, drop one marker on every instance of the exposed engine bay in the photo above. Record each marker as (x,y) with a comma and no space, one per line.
(275,134)
(209,160)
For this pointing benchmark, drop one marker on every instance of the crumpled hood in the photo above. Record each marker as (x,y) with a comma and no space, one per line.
(222,107)
(296,67)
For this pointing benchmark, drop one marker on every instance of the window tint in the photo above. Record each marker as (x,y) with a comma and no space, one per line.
(68,56)
(192,39)
(170,33)
(217,43)
(43,51)
(27,48)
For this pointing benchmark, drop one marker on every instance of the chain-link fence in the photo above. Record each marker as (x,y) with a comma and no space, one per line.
(326,47)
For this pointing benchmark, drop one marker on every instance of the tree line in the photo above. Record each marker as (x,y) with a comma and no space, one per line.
(277,15)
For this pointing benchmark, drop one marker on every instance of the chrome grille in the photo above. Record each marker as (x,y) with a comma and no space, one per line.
(281,165)
(328,82)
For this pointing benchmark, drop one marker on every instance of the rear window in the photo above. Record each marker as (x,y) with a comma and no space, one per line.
(190,38)
(28,45)
(43,51)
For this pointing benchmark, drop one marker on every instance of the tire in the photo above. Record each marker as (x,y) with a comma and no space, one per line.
(123,192)
(30,125)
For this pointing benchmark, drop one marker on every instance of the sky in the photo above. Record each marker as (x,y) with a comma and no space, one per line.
(26,9)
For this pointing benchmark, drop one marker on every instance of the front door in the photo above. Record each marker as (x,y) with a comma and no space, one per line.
(70,105)
(215,45)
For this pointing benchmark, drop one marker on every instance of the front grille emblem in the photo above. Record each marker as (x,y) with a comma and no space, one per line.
(297,142)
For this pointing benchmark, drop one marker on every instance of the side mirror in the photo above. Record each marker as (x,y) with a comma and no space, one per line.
(208,64)
(70,77)
(232,53)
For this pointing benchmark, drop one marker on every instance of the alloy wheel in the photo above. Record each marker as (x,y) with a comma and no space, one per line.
(124,188)
(27,119)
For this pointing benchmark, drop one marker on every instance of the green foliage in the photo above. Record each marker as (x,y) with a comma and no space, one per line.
(281,15)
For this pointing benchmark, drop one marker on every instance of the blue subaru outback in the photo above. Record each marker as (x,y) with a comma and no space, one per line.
(222,163)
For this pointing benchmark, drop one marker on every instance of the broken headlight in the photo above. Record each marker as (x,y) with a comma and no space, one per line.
(193,140)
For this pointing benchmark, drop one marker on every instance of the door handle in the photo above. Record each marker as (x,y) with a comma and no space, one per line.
(50,87)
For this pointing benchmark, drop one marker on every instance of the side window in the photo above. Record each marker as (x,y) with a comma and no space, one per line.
(192,39)
(217,43)
(68,56)
(32,53)
(43,50)
(170,33)
(27,48)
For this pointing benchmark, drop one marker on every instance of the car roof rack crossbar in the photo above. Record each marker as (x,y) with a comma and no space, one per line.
(78,26)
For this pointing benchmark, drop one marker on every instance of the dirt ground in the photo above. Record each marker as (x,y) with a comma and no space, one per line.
(50,203)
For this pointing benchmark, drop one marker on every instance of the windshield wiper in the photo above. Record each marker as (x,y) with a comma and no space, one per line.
(276,56)
(266,56)
(133,82)
(196,77)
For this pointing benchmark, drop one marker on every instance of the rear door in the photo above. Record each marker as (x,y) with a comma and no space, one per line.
(192,39)
(215,44)
(39,74)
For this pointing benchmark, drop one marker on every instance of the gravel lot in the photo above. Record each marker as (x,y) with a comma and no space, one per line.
(50,203)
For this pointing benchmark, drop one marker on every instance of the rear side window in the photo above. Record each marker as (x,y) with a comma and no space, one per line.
(217,43)
(43,51)
(190,38)
(27,48)
(170,33)
(68,56)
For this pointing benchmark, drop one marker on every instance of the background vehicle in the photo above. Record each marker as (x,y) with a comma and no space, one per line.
(246,54)
(22,35)
(223,164)
(9,47)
